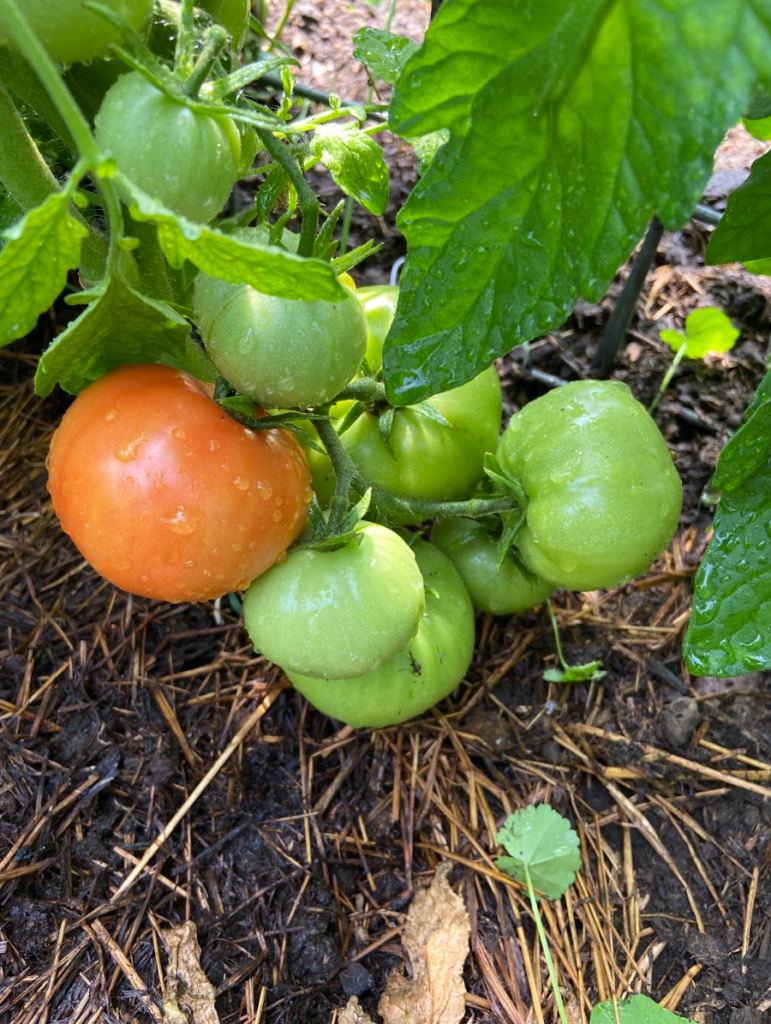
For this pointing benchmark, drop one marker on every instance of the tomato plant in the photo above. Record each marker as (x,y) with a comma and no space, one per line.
(474,551)
(70,32)
(186,158)
(287,353)
(337,614)
(165,495)
(428,668)
(604,495)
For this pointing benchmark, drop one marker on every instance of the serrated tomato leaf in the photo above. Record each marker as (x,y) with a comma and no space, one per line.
(355,161)
(730,630)
(268,268)
(572,124)
(40,249)
(636,1010)
(119,326)
(543,840)
(744,231)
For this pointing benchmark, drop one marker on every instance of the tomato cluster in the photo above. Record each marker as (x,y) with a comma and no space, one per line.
(169,497)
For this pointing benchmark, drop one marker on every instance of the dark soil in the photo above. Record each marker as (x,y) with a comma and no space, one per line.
(299,859)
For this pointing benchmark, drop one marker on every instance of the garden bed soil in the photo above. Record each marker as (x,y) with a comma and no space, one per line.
(299,858)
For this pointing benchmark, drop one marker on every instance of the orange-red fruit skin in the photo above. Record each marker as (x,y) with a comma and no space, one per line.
(167,496)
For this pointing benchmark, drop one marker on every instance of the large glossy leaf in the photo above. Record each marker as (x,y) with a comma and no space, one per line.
(572,122)
(744,231)
(730,630)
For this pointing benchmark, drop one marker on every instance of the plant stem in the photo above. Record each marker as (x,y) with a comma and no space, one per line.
(19,29)
(346,228)
(317,96)
(613,336)
(183,53)
(362,390)
(28,179)
(668,377)
(309,204)
(345,472)
(215,42)
(545,943)
(390,16)
(557,641)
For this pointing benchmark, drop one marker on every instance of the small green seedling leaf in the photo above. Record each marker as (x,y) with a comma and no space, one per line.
(541,840)
(355,161)
(636,1010)
(40,250)
(270,269)
(118,326)
(589,672)
(384,53)
(706,330)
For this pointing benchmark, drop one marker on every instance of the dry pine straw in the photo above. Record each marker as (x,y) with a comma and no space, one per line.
(363,817)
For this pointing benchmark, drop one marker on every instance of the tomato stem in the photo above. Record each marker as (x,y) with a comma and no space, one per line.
(557,642)
(44,67)
(215,41)
(183,53)
(309,204)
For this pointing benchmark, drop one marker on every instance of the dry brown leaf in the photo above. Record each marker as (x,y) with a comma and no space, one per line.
(436,937)
(353,1013)
(189,997)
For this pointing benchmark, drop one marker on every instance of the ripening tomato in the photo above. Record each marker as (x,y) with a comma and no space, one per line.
(187,159)
(166,495)
(70,32)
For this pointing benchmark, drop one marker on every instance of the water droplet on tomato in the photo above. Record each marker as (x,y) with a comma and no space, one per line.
(189,563)
(214,445)
(129,451)
(219,577)
(279,501)
(264,490)
(110,416)
(241,483)
(130,480)
(277,516)
(179,434)
(235,547)
(184,521)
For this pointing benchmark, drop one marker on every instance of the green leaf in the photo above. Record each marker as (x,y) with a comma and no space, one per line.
(706,330)
(267,268)
(589,672)
(750,446)
(427,146)
(571,125)
(512,527)
(743,233)
(355,161)
(636,1010)
(353,257)
(675,339)
(730,630)
(40,250)
(119,326)
(760,129)
(760,267)
(384,53)
(543,840)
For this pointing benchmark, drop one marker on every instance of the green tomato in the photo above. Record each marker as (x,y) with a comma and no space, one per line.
(187,160)
(604,495)
(431,460)
(422,673)
(72,33)
(474,551)
(283,353)
(337,614)
(379,303)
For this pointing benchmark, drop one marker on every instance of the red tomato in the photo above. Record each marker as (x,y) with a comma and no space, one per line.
(166,495)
